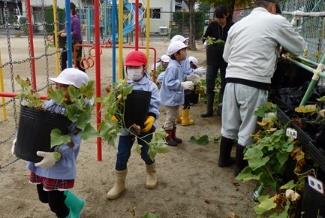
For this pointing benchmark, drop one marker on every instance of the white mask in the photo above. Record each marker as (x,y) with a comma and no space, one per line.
(135,74)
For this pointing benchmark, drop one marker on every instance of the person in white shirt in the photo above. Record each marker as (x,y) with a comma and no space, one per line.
(251,53)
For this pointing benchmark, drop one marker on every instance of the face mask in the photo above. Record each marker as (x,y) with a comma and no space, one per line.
(135,74)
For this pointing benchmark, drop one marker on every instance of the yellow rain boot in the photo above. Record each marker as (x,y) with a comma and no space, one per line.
(151,180)
(186,121)
(119,185)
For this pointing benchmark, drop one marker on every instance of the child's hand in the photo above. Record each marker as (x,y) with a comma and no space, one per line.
(49,159)
(148,124)
(187,85)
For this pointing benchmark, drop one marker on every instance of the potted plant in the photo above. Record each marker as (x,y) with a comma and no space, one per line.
(40,130)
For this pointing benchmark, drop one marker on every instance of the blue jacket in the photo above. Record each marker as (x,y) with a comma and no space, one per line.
(145,84)
(171,91)
(65,168)
(186,66)
(161,77)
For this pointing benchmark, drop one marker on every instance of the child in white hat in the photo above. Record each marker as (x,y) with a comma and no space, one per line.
(172,89)
(55,174)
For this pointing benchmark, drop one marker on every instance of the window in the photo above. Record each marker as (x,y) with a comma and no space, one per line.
(155,13)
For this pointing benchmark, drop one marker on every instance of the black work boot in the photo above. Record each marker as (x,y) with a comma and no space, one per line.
(240,163)
(224,154)
(177,140)
(210,99)
(169,138)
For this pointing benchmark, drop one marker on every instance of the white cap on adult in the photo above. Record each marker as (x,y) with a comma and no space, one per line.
(178,38)
(175,47)
(72,76)
(165,58)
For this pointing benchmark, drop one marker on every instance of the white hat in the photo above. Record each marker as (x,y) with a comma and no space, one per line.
(71,76)
(175,47)
(178,38)
(194,60)
(165,58)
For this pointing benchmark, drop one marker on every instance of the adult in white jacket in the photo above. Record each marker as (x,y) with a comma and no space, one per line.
(250,52)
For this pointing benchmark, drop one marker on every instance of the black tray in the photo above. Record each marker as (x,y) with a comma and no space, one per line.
(34,132)
(305,140)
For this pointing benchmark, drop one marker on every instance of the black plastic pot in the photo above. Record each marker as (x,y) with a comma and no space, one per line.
(313,203)
(34,132)
(62,41)
(191,97)
(136,108)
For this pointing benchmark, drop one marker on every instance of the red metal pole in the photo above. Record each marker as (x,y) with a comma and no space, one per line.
(13,95)
(31,41)
(136,25)
(97,71)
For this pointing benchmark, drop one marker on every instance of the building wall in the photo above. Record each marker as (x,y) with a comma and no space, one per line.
(166,9)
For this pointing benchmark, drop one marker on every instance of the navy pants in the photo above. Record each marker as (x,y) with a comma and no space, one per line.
(212,73)
(124,150)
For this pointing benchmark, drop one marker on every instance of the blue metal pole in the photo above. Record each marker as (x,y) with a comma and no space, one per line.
(114,19)
(68,31)
(89,17)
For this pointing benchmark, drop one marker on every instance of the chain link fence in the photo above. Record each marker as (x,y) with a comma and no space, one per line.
(310,22)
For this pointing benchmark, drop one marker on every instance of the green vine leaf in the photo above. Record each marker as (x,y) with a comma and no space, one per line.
(150,215)
(57,138)
(262,110)
(201,140)
(247,175)
(289,185)
(266,204)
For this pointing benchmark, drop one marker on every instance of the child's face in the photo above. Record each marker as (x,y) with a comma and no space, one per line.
(64,88)
(135,73)
(181,55)
(164,64)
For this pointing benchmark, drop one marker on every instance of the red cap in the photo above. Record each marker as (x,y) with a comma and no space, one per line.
(136,59)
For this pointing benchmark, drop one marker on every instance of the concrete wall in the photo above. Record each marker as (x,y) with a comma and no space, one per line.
(166,7)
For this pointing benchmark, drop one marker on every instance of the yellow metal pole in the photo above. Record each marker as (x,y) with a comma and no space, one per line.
(2,89)
(120,39)
(56,39)
(148,29)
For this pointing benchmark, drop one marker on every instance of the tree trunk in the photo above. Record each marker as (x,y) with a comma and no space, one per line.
(191,4)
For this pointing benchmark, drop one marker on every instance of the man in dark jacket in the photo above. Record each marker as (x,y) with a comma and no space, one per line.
(215,37)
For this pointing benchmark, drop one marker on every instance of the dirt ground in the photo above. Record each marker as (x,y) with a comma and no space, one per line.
(190,183)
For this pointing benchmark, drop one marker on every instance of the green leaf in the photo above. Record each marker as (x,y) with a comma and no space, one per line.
(57,95)
(265,108)
(150,215)
(257,163)
(252,153)
(88,132)
(202,140)
(289,185)
(282,158)
(246,175)
(57,138)
(266,204)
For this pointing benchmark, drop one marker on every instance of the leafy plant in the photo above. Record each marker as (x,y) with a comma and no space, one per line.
(113,122)
(78,107)
(150,215)
(27,95)
(201,140)
(213,41)
(113,109)
(267,159)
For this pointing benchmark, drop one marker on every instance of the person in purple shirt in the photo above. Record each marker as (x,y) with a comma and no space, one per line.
(76,39)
